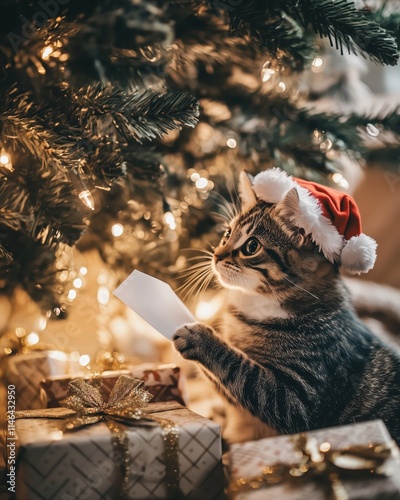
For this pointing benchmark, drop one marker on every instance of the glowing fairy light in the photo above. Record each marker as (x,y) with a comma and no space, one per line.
(340,180)
(195,176)
(83,271)
(102,278)
(71,295)
(20,332)
(5,160)
(63,276)
(282,86)
(169,219)
(32,338)
(46,52)
(201,183)
(231,143)
(267,72)
(103,295)
(77,283)
(86,197)
(42,323)
(117,230)
(317,64)
(84,360)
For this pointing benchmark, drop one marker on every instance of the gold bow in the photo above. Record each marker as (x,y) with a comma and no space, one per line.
(320,462)
(126,405)
(126,402)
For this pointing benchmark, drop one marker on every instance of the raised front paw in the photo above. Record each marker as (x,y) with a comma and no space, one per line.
(194,340)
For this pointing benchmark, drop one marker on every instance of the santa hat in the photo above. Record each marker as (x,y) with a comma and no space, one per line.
(331,218)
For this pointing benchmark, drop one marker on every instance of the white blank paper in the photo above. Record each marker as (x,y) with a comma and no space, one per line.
(155,302)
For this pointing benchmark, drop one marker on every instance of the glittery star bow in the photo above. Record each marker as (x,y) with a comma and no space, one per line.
(126,402)
(320,462)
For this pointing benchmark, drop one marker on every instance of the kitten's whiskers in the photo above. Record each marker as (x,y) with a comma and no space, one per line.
(199,273)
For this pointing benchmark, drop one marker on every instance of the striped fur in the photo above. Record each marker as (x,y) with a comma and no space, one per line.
(291,354)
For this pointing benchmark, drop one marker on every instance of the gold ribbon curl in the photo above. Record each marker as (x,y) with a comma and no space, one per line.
(322,463)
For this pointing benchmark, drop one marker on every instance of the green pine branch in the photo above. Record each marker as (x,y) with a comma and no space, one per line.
(22,127)
(142,115)
(345,26)
(282,28)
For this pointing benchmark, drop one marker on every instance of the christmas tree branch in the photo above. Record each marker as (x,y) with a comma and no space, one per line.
(345,26)
(142,115)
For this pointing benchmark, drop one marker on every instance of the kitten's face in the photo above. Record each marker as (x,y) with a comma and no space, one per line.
(263,252)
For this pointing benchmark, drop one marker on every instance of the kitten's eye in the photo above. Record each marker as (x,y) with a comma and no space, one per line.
(251,247)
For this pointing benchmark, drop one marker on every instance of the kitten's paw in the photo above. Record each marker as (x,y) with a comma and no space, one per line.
(192,340)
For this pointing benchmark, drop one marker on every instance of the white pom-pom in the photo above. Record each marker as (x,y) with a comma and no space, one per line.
(272,185)
(359,254)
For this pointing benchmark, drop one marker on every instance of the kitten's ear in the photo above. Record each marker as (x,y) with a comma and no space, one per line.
(290,205)
(246,192)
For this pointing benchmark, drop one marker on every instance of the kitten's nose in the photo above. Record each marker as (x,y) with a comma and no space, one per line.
(220,256)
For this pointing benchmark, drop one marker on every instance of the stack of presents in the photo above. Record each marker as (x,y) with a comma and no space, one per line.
(127,433)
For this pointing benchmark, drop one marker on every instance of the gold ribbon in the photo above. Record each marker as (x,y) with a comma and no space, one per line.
(320,462)
(126,405)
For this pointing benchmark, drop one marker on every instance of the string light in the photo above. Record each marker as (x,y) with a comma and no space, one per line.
(282,86)
(84,360)
(103,295)
(201,183)
(5,160)
(267,72)
(86,197)
(77,283)
(231,143)
(42,323)
(117,230)
(63,276)
(340,180)
(32,338)
(102,278)
(20,332)
(71,295)
(83,270)
(316,65)
(46,51)
(169,219)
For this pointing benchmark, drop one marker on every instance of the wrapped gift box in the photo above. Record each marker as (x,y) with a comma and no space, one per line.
(79,464)
(26,371)
(248,460)
(164,382)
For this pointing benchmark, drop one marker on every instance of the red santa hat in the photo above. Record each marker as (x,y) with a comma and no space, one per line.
(330,217)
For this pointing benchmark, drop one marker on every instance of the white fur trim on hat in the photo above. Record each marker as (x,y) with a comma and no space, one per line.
(310,217)
(359,254)
(273,185)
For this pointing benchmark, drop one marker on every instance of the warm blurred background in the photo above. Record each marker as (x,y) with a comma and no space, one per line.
(104,171)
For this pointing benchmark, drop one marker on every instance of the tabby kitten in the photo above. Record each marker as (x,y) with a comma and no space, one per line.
(291,354)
